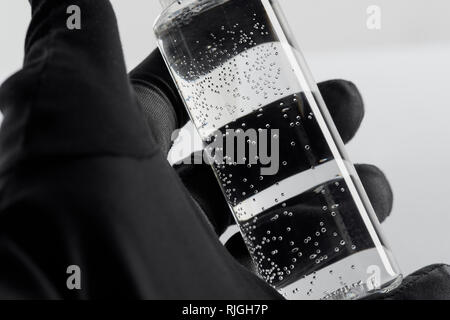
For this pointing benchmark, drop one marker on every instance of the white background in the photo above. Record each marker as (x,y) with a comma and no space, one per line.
(402,71)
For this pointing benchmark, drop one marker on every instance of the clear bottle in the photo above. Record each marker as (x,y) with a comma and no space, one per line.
(305,217)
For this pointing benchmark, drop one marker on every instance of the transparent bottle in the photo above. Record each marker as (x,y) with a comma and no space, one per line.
(305,218)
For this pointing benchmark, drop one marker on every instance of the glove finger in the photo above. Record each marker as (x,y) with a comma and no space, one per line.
(202,184)
(210,198)
(158,113)
(307,215)
(346,107)
(153,73)
(342,97)
(429,283)
(378,189)
(345,104)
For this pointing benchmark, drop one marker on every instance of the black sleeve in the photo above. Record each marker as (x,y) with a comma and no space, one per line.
(83,181)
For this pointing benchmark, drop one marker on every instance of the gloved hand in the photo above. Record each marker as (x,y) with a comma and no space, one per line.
(347,109)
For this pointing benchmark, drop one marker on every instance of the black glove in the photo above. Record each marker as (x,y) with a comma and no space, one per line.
(347,109)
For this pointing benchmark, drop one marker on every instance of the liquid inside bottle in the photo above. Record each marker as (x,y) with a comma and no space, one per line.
(305,218)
